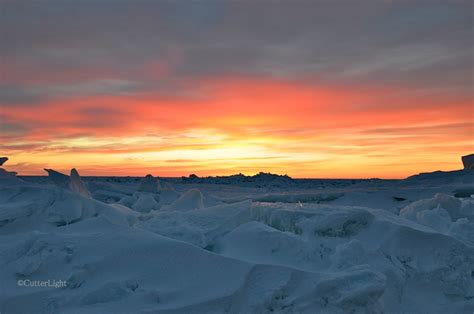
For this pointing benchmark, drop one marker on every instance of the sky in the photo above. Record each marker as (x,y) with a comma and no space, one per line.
(323,89)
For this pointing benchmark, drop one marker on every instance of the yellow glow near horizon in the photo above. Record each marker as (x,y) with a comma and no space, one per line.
(247,127)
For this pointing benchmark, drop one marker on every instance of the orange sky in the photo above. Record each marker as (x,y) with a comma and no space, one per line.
(246,125)
(309,89)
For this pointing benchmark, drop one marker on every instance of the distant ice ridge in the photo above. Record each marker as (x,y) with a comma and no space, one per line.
(152,246)
(261,179)
(465,176)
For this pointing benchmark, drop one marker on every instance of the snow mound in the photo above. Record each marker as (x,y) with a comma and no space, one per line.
(190,200)
(451,204)
(145,202)
(110,192)
(445,214)
(149,184)
(200,228)
(259,243)
(340,223)
(23,207)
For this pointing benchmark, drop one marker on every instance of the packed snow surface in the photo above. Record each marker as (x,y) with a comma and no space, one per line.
(261,245)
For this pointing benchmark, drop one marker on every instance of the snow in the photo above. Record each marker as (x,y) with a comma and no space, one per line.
(145,202)
(237,245)
(149,184)
(190,200)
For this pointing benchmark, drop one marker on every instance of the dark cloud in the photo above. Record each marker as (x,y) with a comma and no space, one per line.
(29,94)
(10,129)
(418,43)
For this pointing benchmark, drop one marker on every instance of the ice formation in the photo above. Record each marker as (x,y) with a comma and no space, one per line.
(468,161)
(127,245)
(76,184)
(73,183)
(58,178)
(3,160)
(4,174)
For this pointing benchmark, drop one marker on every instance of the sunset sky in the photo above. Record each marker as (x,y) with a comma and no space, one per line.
(333,89)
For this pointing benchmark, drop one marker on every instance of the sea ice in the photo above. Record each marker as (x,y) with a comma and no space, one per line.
(236,245)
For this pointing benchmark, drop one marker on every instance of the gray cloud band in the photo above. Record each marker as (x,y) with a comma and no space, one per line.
(420,43)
